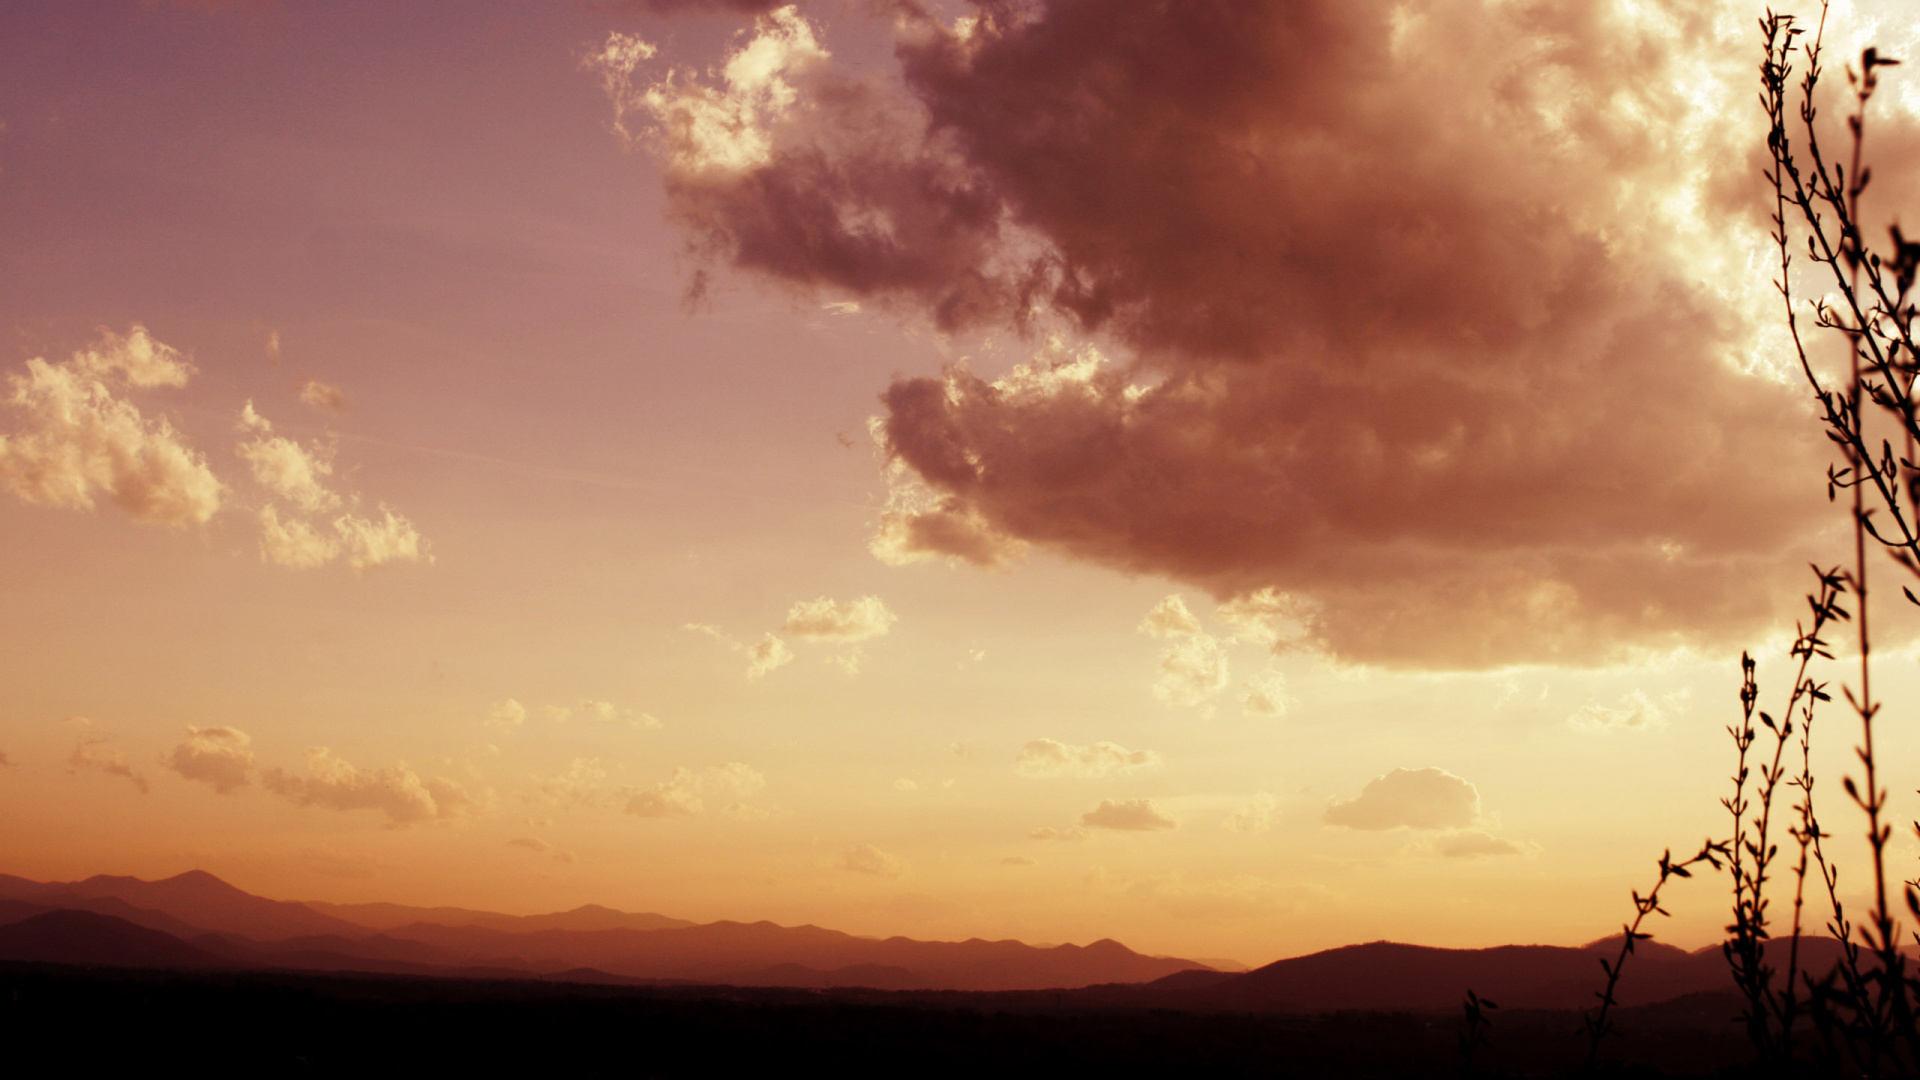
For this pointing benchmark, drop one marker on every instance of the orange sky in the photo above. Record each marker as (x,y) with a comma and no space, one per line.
(1235,479)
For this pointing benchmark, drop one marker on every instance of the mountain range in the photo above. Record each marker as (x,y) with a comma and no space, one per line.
(196,920)
(595,943)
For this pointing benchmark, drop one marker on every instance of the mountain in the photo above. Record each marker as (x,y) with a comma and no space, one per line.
(732,951)
(91,939)
(251,931)
(1388,976)
(196,898)
(587,917)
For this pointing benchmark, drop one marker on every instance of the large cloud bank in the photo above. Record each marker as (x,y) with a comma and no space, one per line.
(1423,316)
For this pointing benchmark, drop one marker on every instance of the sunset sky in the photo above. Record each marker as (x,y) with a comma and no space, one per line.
(1236,478)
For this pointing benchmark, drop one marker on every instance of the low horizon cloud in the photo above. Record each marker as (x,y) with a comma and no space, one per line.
(1427,798)
(1128,815)
(215,756)
(399,792)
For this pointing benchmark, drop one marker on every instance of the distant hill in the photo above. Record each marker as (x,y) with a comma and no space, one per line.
(196,899)
(745,952)
(212,918)
(587,917)
(94,940)
(1386,975)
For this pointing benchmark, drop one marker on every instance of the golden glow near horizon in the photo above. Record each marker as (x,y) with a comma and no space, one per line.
(1237,490)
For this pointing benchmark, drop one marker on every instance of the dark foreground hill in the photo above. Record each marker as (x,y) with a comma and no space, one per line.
(254,1024)
(88,939)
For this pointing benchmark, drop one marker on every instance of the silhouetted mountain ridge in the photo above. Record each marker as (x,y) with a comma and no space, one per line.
(209,915)
(195,919)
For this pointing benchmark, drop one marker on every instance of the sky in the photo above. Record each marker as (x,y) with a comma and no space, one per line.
(1238,479)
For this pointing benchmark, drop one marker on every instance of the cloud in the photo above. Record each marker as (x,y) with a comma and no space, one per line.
(322,396)
(507,714)
(1255,817)
(1635,711)
(682,795)
(1431,321)
(1266,617)
(1017,860)
(1265,694)
(580,785)
(767,654)
(5,761)
(867,859)
(676,7)
(905,784)
(1044,759)
(294,543)
(763,656)
(1128,815)
(81,439)
(531,843)
(824,620)
(296,473)
(1048,832)
(215,756)
(370,543)
(88,753)
(299,476)
(821,620)
(1193,667)
(598,712)
(1473,844)
(1170,619)
(398,792)
(1409,799)
(960,750)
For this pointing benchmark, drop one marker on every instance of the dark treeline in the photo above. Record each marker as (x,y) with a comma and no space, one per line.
(224,1023)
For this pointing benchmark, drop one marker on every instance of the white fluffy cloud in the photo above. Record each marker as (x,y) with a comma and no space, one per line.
(215,756)
(867,859)
(507,714)
(1255,817)
(398,792)
(825,620)
(293,543)
(1409,799)
(598,712)
(675,797)
(684,793)
(323,396)
(80,439)
(1193,667)
(1265,694)
(1045,758)
(767,654)
(294,472)
(1128,815)
(580,785)
(1170,619)
(1048,832)
(299,475)
(370,542)
(1635,711)
(822,620)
